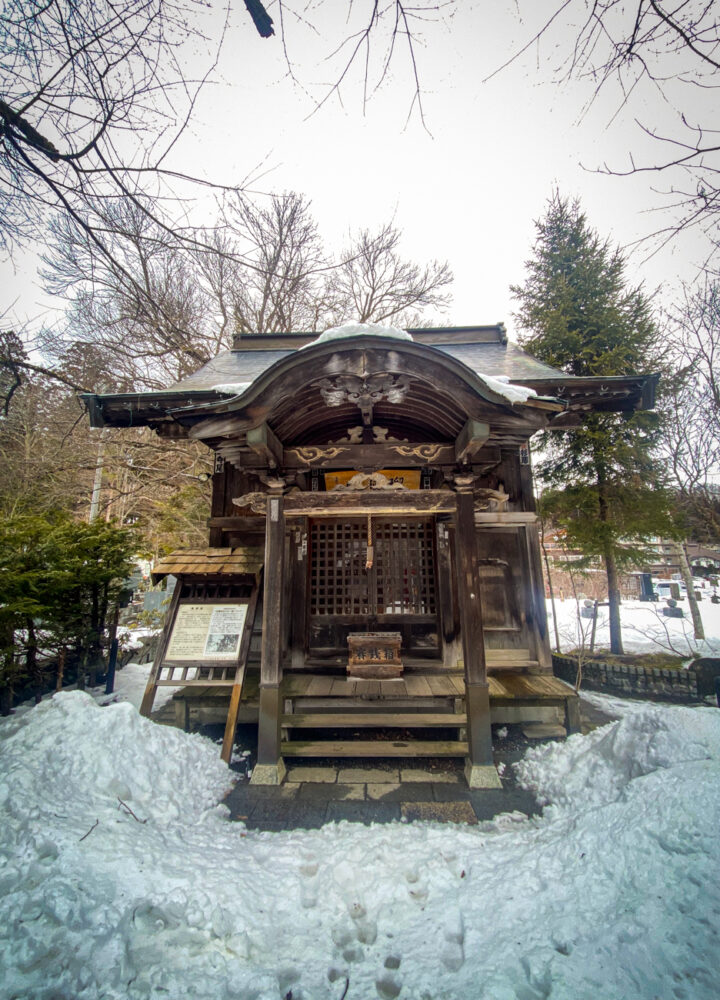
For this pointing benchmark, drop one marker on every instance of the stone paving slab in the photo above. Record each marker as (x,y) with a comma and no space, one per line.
(441,812)
(363,812)
(363,775)
(415,774)
(414,792)
(325,775)
(325,792)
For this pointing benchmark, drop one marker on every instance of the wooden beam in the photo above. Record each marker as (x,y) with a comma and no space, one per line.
(210,427)
(357,503)
(384,454)
(263,442)
(517,518)
(471,439)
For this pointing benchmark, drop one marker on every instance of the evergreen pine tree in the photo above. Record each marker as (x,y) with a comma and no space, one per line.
(604,489)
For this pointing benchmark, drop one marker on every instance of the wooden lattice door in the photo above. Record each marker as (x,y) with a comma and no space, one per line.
(398,589)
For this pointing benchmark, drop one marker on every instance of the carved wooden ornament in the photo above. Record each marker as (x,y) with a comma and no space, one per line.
(363,392)
(368,481)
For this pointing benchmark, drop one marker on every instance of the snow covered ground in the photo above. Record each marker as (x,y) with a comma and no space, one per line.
(644,628)
(121,878)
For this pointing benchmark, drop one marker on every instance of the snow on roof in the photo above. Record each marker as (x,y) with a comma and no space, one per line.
(356,329)
(501,385)
(231,388)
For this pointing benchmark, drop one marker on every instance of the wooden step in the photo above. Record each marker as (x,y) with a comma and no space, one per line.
(344,720)
(374,748)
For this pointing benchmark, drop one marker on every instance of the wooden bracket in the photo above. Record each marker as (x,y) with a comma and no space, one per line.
(471,439)
(263,442)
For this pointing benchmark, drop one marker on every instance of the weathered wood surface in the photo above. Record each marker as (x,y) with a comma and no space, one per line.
(265,444)
(374,748)
(468,584)
(471,439)
(270,670)
(377,502)
(272,634)
(510,687)
(236,693)
(396,720)
(239,561)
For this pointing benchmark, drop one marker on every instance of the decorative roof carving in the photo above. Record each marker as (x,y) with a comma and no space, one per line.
(368,481)
(363,392)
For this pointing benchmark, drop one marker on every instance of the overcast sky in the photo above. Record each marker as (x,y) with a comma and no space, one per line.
(465,187)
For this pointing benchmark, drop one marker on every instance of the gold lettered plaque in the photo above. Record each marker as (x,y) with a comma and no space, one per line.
(207,632)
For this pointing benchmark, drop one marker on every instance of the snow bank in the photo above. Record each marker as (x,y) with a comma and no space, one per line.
(594,770)
(348,330)
(501,385)
(614,893)
(69,750)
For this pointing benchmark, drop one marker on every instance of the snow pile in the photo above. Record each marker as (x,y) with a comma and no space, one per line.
(597,769)
(501,385)
(348,330)
(614,893)
(69,752)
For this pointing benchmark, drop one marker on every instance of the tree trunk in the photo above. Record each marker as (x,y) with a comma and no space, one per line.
(686,573)
(6,696)
(550,586)
(31,663)
(60,669)
(616,646)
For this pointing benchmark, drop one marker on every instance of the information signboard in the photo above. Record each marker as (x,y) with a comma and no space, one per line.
(206,632)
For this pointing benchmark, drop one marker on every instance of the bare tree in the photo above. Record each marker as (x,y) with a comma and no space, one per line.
(96,95)
(94,98)
(692,426)
(362,41)
(660,61)
(141,305)
(286,288)
(374,283)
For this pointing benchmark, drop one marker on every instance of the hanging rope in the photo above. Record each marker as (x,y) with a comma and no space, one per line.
(369,557)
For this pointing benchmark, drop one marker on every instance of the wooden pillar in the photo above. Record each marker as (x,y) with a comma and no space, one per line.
(270,769)
(536,599)
(298,594)
(479,769)
(450,647)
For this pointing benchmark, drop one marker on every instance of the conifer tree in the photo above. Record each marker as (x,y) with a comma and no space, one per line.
(604,488)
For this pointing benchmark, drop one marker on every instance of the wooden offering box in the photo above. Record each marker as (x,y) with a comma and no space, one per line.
(375,655)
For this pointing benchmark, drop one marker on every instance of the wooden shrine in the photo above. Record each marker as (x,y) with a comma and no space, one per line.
(368,484)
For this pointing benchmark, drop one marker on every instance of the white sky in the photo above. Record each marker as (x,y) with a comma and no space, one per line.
(467,192)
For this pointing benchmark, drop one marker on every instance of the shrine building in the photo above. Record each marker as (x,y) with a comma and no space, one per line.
(373,560)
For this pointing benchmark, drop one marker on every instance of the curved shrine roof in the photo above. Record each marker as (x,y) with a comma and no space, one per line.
(459,362)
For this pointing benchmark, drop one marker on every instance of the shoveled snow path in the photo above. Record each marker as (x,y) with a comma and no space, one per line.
(613,894)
